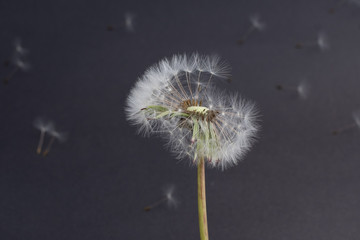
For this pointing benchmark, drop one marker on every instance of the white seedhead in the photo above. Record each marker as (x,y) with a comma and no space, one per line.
(55,135)
(178,100)
(168,198)
(302,89)
(18,60)
(321,42)
(43,126)
(355,124)
(256,24)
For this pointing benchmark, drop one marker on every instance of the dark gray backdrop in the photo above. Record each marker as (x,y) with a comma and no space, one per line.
(298,182)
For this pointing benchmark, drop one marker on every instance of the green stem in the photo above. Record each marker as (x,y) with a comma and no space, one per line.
(204,235)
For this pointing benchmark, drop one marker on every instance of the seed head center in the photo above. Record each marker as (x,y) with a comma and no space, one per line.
(198,109)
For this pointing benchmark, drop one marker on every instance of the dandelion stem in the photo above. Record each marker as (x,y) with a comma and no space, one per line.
(204,235)
(41,141)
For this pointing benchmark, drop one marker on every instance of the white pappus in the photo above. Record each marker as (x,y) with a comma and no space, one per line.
(177,99)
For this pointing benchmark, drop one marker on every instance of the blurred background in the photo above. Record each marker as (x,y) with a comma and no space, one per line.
(74,63)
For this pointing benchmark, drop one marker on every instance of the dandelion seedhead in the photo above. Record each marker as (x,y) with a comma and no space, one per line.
(302,89)
(176,98)
(255,25)
(168,198)
(356,124)
(18,60)
(322,43)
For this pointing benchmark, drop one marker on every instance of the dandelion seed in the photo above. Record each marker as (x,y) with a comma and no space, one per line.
(129,22)
(255,25)
(18,60)
(168,198)
(322,43)
(211,125)
(44,126)
(302,89)
(19,49)
(356,124)
(55,135)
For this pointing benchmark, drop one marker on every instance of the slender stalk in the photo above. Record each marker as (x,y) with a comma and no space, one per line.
(41,141)
(148,208)
(246,35)
(345,128)
(47,150)
(204,234)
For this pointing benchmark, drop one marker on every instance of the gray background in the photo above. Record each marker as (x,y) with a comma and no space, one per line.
(298,182)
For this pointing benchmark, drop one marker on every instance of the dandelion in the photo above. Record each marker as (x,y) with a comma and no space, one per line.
(18,60)
(302,89)
(322,43)
(255,25)
(55,135)
(44,126)
(356,124)
(177,99)
(168,198)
